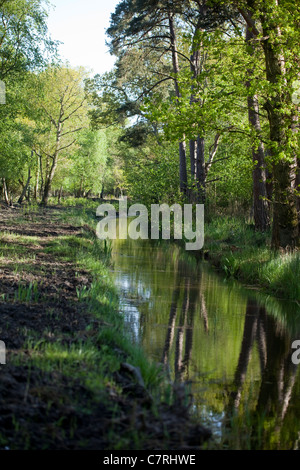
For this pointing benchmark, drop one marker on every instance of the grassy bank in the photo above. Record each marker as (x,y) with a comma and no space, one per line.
(235,248)
(73,379)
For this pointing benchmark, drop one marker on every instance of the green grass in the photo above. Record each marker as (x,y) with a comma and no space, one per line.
(75,202)
(27,293)
(234,247)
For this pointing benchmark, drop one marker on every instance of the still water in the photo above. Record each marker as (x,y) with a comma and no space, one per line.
(232,344)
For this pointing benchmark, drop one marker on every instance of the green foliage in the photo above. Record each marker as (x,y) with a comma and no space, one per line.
(87,165)
(24,39)
(152,173)
(232,189)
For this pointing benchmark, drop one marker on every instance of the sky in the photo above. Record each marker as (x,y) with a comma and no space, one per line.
(80,25)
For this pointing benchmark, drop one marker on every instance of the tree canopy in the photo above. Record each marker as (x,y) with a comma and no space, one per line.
(200,106)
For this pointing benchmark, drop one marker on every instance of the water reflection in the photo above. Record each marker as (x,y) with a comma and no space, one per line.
(278,378)
(234,345)
(181,324)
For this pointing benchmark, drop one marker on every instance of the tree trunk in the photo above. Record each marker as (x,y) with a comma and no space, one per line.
(23,194)
(42,178)
(197,159)
(295,129)
(200,171)
(194,64)
(182,167)
(48,182)
(182,146)
(285,231)
(260,204)
(298,191)
(192,145)
(37,176)
(60,194)
(269,185)
(50,176)
(5,193)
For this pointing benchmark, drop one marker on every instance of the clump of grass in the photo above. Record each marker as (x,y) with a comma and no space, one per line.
(236,232)
(282,272)
(28,293)
(241,252)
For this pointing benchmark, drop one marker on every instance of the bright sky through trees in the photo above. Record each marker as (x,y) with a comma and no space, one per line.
(80,26)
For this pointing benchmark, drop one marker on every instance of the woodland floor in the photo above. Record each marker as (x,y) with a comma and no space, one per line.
(46,409)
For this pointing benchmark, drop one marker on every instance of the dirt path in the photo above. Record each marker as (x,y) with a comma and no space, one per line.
(44,409)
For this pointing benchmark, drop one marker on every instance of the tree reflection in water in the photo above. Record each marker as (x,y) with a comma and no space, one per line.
(233,346)
(183,328)
(278,377)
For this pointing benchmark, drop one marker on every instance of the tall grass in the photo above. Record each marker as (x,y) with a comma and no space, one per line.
(235,247)
(28,293)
